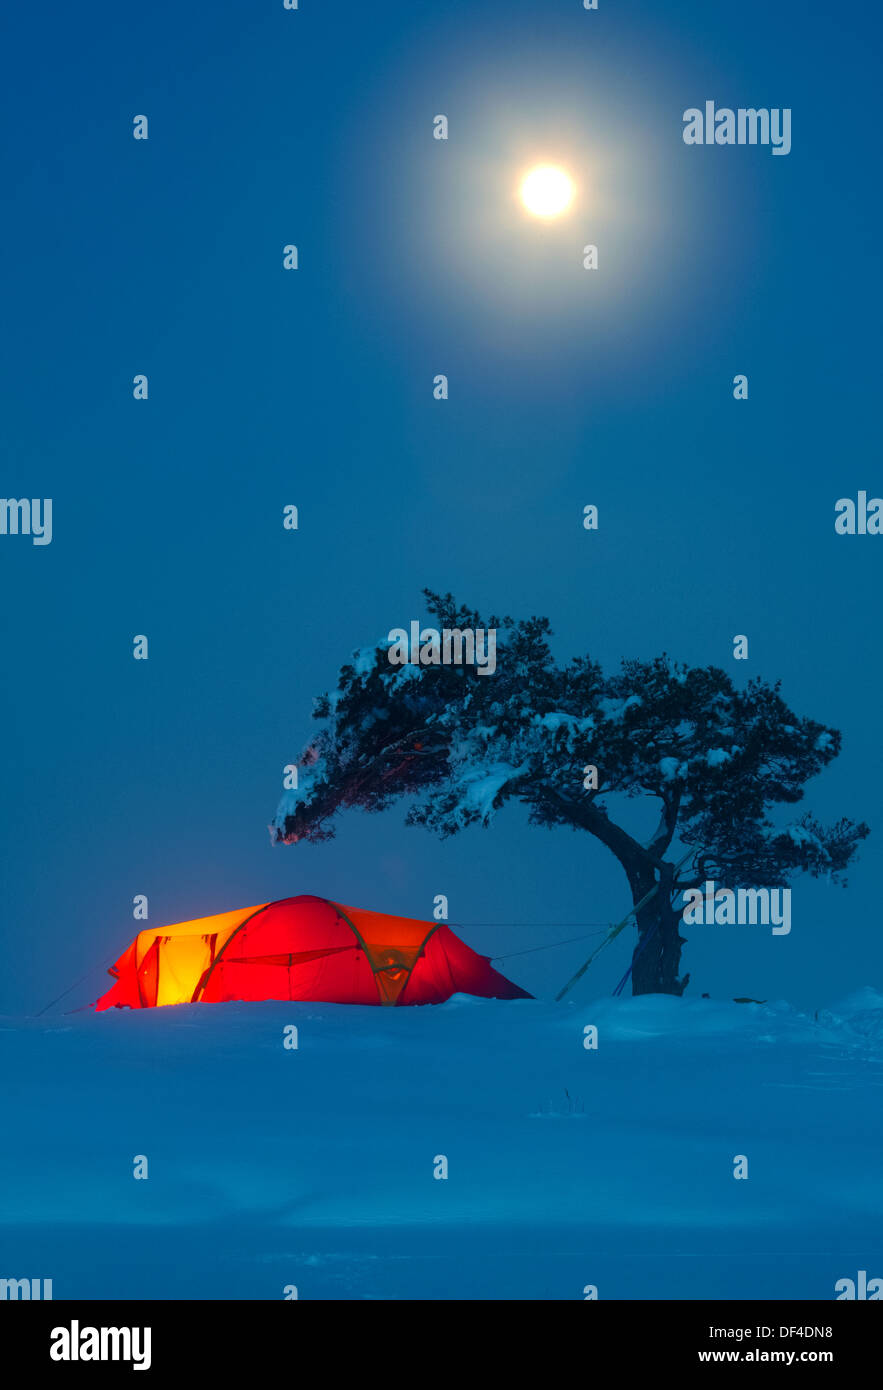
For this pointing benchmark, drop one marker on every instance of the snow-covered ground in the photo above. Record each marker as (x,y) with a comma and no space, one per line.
(567,1167)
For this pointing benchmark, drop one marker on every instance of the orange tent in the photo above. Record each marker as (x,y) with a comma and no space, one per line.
(301,948)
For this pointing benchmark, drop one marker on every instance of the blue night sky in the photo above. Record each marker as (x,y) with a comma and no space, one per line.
(314,387)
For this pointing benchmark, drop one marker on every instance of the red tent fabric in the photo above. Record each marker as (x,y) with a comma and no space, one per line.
(302,948)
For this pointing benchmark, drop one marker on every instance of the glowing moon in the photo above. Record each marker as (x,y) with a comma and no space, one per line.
(547,191)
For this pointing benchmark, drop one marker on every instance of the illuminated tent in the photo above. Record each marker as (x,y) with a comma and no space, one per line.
(301,948)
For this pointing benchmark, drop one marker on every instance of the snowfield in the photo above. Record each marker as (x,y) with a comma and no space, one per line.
(567,1167)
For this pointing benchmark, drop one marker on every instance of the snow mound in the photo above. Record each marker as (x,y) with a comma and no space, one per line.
(861,1012)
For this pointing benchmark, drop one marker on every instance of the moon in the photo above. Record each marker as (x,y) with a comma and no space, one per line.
(547,191)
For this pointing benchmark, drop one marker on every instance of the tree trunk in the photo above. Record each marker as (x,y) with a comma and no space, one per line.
(657,956)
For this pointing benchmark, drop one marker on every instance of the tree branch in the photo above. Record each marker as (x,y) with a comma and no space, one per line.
(634,858)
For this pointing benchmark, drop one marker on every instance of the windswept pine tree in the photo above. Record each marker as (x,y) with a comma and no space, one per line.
(459,744)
